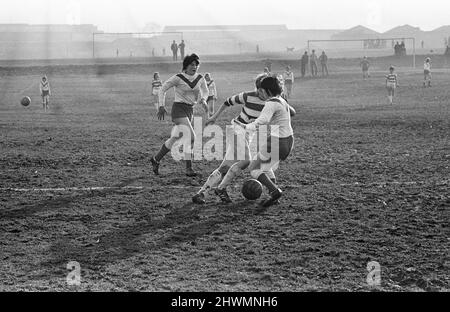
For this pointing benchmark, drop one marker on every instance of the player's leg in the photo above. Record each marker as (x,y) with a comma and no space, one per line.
(210,107)
(239,163)
(261,167)
(181,124)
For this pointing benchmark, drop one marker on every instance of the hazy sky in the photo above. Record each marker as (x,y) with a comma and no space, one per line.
(133,15)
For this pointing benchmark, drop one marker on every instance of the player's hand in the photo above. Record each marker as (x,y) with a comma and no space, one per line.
(161,112)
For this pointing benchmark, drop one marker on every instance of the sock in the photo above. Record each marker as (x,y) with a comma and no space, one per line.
(162,152)
(231,174)
(213,180)
(264,179)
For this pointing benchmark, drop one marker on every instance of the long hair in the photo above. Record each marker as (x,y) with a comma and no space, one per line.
(189,59)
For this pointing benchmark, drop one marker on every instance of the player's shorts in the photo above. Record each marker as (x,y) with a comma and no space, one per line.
(391,85)
(180,110)
(45,93)
(280,147)
(155,91)
(427,73)
(210,98)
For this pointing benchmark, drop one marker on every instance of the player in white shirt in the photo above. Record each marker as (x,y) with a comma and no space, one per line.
(427,72)
(190,88)
(212,96)
(44,90)
(276,112)
(237,140)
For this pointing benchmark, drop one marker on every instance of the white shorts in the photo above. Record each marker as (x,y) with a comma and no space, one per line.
(391,85)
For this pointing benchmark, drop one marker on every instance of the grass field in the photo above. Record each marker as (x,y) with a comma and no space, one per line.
(366,181)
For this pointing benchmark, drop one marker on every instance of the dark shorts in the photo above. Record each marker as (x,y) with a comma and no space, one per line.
(180,110)
(210,98)
(283,146)
(45,93)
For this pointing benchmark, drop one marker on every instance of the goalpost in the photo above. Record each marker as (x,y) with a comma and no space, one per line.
(140,44)
(371,47)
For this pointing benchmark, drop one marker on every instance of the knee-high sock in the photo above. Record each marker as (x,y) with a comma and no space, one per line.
(162,152)
(213,180)
(233,172)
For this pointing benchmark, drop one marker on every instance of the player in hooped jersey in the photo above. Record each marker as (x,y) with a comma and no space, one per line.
(252,105)
(190,88)
(156,87)
(391,84)
(276,112)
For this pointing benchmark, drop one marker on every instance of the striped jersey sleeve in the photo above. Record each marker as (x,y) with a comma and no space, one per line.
(252,105)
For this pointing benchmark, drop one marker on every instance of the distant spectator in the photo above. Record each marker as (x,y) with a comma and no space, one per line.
(164,51)
(174,48)
(257,48)
(427,72)
(153,52)
(181,46)
(365,67)
(304,63)
(288,77)
(269,65)
(323,58)
(117,52)
(313,60)
(422,44)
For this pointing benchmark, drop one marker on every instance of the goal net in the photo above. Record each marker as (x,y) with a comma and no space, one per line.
(107,45)
(402,50)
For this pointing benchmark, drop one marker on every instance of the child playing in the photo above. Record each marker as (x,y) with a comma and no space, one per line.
(44,89)
(156,86)
(391,84)
(212,96)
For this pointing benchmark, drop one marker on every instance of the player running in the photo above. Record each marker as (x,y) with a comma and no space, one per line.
(189,87)
(391,84)
(44,90)
(212,96)
(251,109)
(276,112)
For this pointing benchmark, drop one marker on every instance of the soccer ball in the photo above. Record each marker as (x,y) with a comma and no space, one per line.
(252,189)
(25,101)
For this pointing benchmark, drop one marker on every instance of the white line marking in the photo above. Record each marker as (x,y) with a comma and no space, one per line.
(105,188)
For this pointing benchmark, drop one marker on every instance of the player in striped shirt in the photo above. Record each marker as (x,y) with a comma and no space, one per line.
(190,88)
(391,84)
(252,106)
(44,90)
(212,96)
(156,87)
